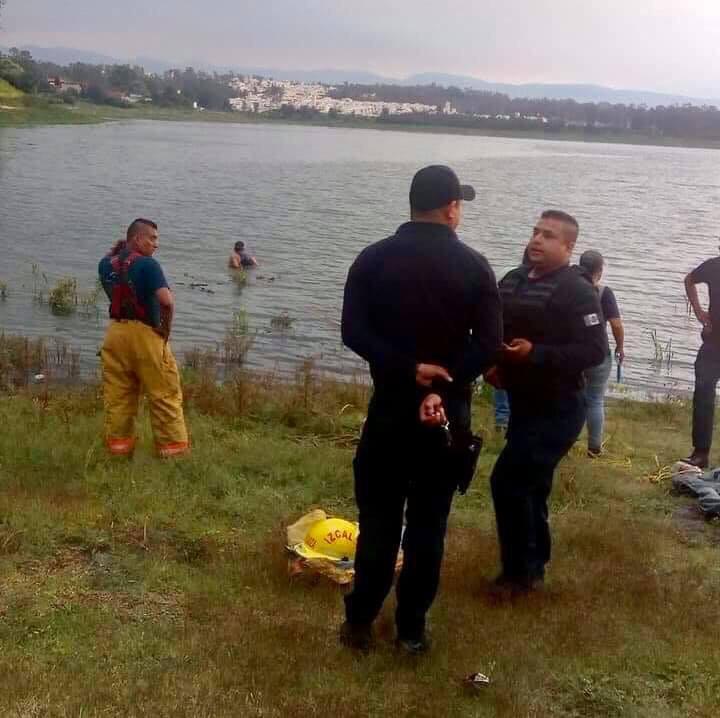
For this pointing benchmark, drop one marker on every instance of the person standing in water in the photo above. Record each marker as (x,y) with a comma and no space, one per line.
(240,259)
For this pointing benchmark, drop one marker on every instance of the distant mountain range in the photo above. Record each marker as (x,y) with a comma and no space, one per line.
(577,92)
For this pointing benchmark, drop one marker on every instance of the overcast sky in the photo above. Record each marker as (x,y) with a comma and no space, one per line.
(664,45)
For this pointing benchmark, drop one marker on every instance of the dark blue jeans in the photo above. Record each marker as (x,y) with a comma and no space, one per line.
(707,373)
(596,380)
(539,436)
(502,407)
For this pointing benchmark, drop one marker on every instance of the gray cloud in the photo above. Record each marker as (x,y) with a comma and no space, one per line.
(654,44)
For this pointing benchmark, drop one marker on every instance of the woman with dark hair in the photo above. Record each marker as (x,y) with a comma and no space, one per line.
(596,378)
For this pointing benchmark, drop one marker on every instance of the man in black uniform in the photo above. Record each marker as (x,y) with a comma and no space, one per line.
(707,364)
(553,331)
(423,309)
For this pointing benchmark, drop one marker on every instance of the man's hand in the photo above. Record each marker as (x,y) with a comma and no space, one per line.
(518,351)
(432,412)
(619,355)
(425,374)
(703,317)
(167,308)
(492,377)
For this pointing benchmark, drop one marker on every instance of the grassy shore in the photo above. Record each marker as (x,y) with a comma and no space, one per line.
(142,587)
(32,112)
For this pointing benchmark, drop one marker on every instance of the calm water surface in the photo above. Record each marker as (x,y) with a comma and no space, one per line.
(306,200)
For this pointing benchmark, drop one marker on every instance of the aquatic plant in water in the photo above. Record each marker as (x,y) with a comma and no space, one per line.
(40,283)
(282,321)
(239,277)
(63,298)
(664,353)
(88,301)
(238,339)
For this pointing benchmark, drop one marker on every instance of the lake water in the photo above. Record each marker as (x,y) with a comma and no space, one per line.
(306,200)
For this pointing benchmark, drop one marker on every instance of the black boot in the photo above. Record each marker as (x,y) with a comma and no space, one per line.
(518,584)
(699,458)
(357,636)
(414,646)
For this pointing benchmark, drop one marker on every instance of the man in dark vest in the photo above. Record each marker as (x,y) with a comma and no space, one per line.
(553,331)
(136,355)
(423,309)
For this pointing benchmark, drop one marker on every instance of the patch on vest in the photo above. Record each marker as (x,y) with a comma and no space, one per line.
(591,320)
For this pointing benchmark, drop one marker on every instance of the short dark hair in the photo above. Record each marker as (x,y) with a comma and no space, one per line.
(561,216)
(136,227)
(239,246)
(592,261)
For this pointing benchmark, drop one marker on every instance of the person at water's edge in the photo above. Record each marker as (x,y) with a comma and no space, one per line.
(596,378)
(423,309)
(553,332)
(707,363)
(136,355)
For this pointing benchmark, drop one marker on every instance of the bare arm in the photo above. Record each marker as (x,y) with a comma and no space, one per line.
(618,331)
(691,290)
(234,261)
(167,309)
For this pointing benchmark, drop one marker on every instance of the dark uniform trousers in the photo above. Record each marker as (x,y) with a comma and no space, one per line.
(707,373)
(394,467)
(539,435)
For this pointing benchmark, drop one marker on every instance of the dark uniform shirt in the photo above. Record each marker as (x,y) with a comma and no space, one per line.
(608,304)
(709,273)
(560,314)
(146,277)
(421,296)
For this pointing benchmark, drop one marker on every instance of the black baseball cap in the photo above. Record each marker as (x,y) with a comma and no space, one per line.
(436,186)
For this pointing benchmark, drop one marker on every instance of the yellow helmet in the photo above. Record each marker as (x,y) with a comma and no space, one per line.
(333,539)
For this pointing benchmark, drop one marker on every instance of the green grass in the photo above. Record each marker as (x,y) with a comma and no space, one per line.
(161,588)
(29,111)
(39,111)
(8,93)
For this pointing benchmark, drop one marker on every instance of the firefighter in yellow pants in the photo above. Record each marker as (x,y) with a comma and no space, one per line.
(135,358)
(136,355)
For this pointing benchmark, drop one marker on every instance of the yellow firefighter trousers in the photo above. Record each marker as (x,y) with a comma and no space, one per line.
(135,360)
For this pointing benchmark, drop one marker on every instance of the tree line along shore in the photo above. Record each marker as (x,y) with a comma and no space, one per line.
(39,113)
(34,92)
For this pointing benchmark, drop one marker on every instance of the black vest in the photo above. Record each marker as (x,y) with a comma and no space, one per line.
(528,313)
